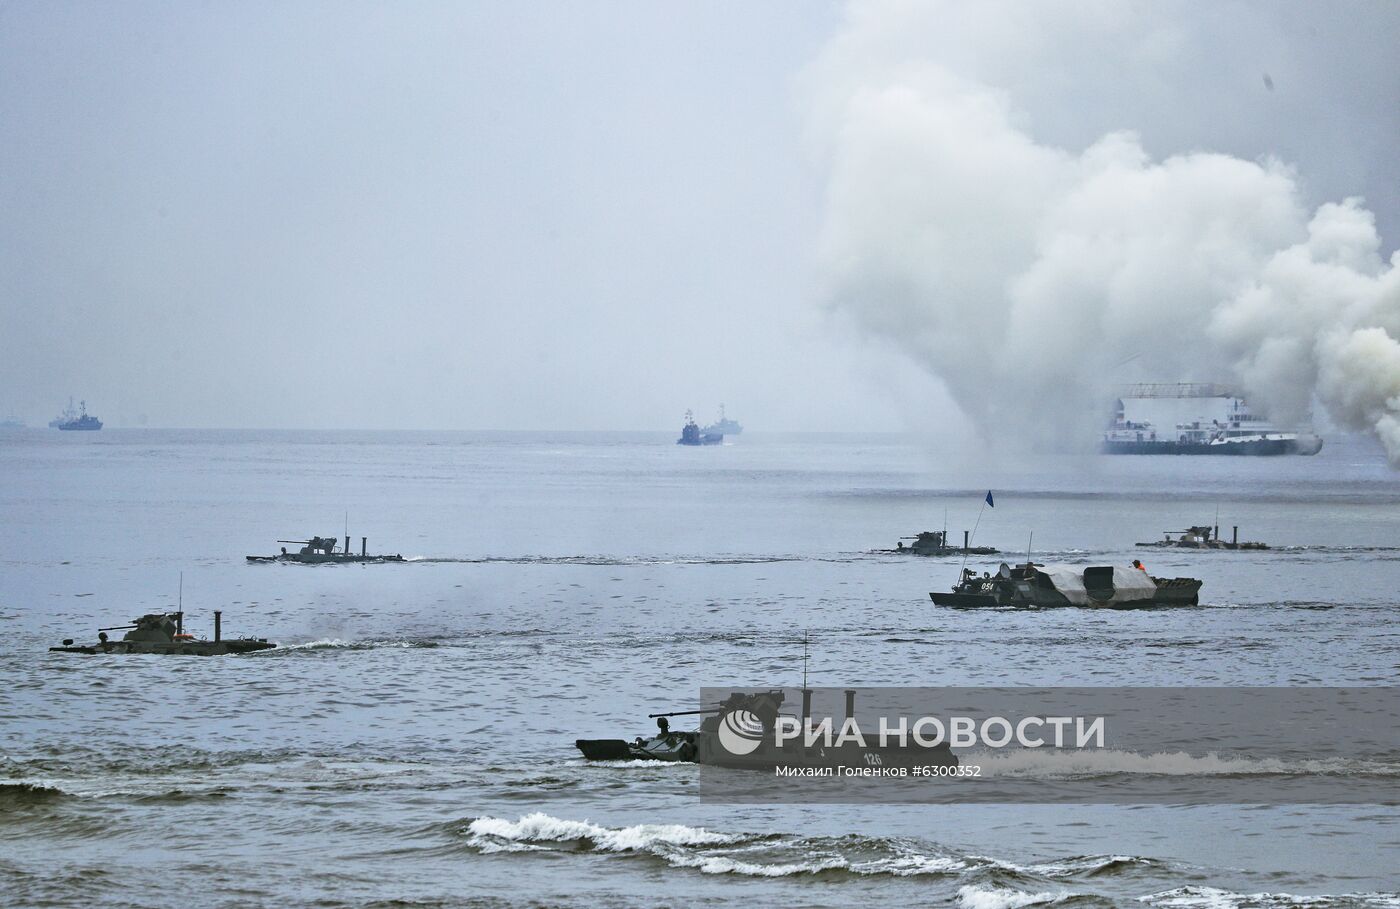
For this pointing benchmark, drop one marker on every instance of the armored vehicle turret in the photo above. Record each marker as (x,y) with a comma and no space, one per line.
(164,633)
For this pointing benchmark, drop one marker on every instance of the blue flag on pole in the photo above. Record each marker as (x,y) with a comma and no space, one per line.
(989,499)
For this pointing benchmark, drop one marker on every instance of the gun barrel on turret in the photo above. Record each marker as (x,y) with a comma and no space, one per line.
(117,628)
(652,716)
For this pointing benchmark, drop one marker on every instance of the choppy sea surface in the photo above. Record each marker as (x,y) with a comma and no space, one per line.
(411,743)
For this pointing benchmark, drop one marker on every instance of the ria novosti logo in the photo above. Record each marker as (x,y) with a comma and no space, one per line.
(740,732)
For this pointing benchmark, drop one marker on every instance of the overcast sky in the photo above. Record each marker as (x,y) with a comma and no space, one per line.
(547,215)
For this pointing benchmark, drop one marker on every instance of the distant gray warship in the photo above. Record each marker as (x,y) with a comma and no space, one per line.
(320,550)
(164,633)
(79,420)
(723,426)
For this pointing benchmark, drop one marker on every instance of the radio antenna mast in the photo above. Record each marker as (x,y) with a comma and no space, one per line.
(806,636)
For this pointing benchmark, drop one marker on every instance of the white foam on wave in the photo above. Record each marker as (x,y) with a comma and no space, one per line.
(706,851)
(492,834)
(1037,763)
(338,644)
(723,864)
(1087,864)
(975,897)
(1197,897)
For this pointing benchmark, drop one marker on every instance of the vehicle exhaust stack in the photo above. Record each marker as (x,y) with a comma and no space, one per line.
(850,704)
(364,546)
(806,706)
(218,626)
(1235,535)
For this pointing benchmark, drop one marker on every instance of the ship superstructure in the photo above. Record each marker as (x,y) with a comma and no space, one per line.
(1197,418)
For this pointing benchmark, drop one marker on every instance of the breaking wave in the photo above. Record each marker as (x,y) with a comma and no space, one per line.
(773,855)
(975,897)
(1197,897)
(26,795)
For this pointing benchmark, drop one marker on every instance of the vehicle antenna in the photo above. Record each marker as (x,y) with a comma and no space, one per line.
(806,636)
(968,544)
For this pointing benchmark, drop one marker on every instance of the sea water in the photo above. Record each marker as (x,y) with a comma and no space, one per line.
(410,743)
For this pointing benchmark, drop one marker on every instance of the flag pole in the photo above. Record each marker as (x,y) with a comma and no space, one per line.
(970,537)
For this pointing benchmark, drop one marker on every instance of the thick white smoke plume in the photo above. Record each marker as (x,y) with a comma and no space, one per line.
(1033,280)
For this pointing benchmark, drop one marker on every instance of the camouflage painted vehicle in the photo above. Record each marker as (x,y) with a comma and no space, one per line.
(1202,536)
(935,543)
(323,550)
(740,734)
(164,633)
(1032,585)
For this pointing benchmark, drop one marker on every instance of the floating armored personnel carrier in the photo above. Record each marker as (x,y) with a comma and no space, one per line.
(319,550)
(935,543)
(1203,538)
(164,633)
(740,733)
(1033,585)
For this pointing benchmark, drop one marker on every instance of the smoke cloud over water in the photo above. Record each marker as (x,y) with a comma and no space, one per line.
(1033,278)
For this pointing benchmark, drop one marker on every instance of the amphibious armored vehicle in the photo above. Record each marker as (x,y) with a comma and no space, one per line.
(935,543)
(320,550)
(1203,537)
(164,633)
(740,733)
(1033,585)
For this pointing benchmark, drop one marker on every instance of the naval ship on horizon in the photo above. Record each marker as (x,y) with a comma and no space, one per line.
(71,420)
(723,426)
(1197,418)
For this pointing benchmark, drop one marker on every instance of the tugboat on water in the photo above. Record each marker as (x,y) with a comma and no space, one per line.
(80,420)
(691,433)
(723,426)
(1033,585)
